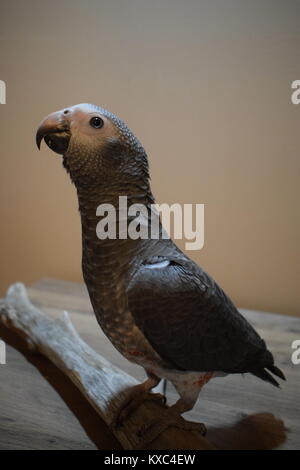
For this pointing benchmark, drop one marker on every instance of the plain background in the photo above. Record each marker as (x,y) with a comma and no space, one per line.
(206,87)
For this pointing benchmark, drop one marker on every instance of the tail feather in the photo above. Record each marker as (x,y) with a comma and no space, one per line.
(276,371)
(265,375)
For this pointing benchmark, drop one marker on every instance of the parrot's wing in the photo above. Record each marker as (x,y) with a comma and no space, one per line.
(190,322)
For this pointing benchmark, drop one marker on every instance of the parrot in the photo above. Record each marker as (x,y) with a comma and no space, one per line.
(158,308)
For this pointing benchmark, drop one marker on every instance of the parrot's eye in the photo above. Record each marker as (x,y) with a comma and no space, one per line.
(96,122)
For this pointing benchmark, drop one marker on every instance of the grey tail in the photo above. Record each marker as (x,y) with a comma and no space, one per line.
(265,375)
(276,371)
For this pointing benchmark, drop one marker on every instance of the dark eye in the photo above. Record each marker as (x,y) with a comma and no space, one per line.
(96,122)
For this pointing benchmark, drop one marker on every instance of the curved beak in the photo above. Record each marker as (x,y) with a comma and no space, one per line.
(55,130)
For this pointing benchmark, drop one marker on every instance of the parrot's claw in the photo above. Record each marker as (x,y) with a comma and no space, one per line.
(136,397)
(150,432)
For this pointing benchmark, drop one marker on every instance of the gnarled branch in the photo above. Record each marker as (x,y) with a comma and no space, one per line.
(102,384)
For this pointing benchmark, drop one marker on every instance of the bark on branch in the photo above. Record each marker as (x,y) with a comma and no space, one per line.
(102,384)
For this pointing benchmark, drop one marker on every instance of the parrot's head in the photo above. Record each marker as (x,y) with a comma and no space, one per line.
(96,145)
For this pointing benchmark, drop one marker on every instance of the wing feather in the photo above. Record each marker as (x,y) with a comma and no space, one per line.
(191,322)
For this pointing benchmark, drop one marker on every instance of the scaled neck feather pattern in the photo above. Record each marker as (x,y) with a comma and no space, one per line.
(109,264)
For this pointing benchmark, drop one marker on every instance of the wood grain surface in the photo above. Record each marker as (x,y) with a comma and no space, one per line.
(41,409)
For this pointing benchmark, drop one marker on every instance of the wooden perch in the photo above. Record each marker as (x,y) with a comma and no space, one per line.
(102,384)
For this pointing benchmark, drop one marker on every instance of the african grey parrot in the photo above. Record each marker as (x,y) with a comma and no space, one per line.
(157,307)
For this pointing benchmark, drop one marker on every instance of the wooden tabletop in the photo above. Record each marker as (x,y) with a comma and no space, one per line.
(41,409)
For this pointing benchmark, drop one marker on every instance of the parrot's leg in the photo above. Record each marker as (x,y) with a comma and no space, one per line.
(171,417)
(189,393)
(137,395)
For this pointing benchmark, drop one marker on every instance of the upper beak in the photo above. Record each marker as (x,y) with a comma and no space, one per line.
(55,130)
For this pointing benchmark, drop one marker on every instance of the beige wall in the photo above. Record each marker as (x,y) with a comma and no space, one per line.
(205,85)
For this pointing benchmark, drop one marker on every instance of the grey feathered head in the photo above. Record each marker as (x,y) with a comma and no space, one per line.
(96,145)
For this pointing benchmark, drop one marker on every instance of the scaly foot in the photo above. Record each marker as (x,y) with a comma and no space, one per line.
(137,396)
